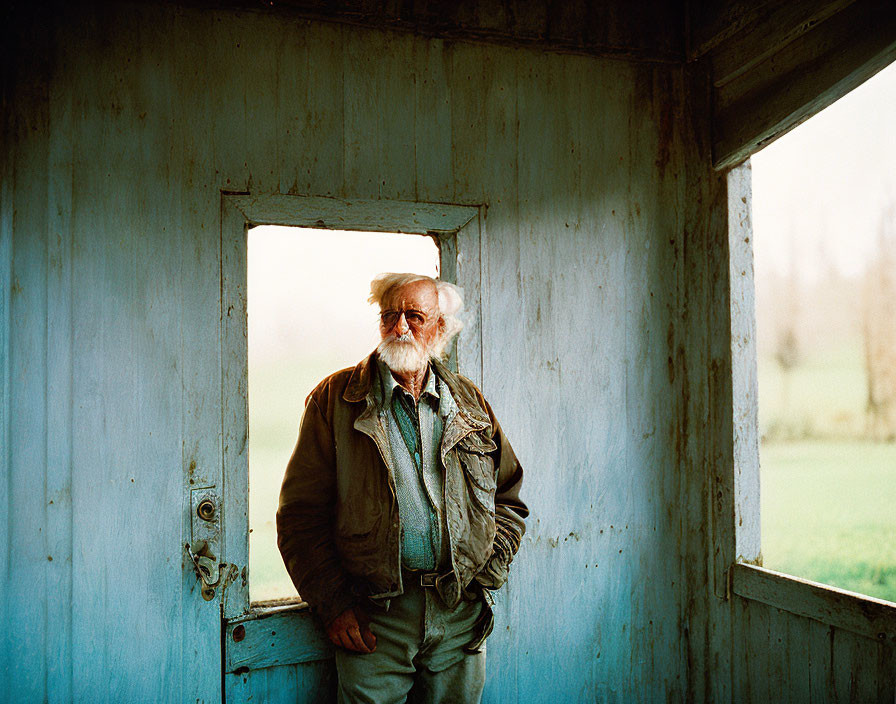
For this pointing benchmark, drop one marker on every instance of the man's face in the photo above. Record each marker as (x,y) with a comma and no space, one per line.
(410,324)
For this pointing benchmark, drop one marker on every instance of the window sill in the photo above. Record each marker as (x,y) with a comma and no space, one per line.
(864,615)
(261,609)
(269,636)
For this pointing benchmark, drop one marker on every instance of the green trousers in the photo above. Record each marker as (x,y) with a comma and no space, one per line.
(419,654)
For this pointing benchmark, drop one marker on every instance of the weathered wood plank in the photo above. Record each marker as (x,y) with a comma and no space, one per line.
(7,204)
(230,124)
(303,683)
(759,654)
(872,618)
(468,275)
(369,215)
(310,109)
(91,450)
(711,22)
(854,668)
(803,78)
(741,653)
(699,358)
(60,366)
(741,531)
(778,25)
(886,673)
(235,402)
(361,147)
(641,31)
(27,598)
(197,278)
(282,638)
(259,73)
(432,122)
(396,98)
(820,651)
(794,652)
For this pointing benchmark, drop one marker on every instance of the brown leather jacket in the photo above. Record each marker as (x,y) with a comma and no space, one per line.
(337,524)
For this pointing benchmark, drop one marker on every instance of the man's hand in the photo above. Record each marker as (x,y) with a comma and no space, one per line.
(351,630)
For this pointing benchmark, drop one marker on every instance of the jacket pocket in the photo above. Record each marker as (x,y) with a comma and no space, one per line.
(479,469)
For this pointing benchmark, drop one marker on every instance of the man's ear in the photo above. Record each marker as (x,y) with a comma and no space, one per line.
(441,324)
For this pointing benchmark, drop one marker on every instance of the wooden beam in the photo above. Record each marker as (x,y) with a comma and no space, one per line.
(712,22)
(778,27)
(281,637)
(873,618)
(640,31)
(367,215)
(802,79)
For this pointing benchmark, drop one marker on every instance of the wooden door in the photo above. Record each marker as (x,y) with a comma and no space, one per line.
(275,653)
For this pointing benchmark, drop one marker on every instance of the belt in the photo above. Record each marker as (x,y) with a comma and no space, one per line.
(422,577)
(444,583)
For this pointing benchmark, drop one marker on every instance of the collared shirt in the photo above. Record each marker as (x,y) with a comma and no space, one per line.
(419,480)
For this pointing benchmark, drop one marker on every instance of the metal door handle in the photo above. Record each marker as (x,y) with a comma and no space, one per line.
(207,569)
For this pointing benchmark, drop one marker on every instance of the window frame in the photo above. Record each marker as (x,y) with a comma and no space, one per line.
(457,230)
(737,554)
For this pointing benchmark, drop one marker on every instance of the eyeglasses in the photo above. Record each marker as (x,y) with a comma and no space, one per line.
(414,317)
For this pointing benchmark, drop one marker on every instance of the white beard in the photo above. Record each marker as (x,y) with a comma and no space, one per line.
(403,354)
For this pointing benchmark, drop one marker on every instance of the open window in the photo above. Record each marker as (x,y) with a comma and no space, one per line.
(823,246)
(308,317)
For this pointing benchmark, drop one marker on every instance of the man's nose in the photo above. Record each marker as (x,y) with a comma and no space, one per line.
(401,325)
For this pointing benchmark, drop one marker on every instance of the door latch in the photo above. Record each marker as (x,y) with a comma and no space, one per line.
(207,568)
(204,547)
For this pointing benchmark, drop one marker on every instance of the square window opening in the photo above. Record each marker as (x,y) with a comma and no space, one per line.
(824,244)
(308,316)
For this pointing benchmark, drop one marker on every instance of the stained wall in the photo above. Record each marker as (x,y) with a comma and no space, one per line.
(117,148)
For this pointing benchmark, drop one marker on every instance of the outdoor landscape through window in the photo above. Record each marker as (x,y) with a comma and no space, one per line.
(308,316)
(824,223)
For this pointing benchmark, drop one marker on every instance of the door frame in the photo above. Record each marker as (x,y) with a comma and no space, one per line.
(257,638)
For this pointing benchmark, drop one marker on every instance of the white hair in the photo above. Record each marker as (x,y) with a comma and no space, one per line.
(451,303)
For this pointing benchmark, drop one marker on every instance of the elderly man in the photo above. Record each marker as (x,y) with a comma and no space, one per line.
(400,508)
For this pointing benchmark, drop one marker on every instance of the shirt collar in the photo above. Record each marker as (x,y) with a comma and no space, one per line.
(389,384)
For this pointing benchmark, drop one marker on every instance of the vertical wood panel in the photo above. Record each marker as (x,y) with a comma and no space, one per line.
(361,82)
(60,295)
(90,447)
(195,273)
(432,121)
(854,670)
(235,408)
(310,109)
(262,47)
(758,653)
(795,636)
(7,180)
(229,127)
(27,597)
(326,102)
(886,673)
(821,682)
(395,114)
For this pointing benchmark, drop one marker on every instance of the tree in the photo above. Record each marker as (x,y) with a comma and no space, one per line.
(879,331)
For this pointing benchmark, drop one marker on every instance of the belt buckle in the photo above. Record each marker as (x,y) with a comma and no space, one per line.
(428,579)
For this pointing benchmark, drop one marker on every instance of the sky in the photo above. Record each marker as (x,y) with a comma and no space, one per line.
(308,288)
(825,184)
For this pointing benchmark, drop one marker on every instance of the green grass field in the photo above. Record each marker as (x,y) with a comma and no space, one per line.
(829,513)
(828,501)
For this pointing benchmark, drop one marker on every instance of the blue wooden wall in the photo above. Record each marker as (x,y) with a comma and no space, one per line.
(116,150)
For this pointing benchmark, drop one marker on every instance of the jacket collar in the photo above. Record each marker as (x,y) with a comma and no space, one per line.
(360,386)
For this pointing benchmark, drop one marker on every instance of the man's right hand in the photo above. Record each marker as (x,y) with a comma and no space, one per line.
(351,630)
